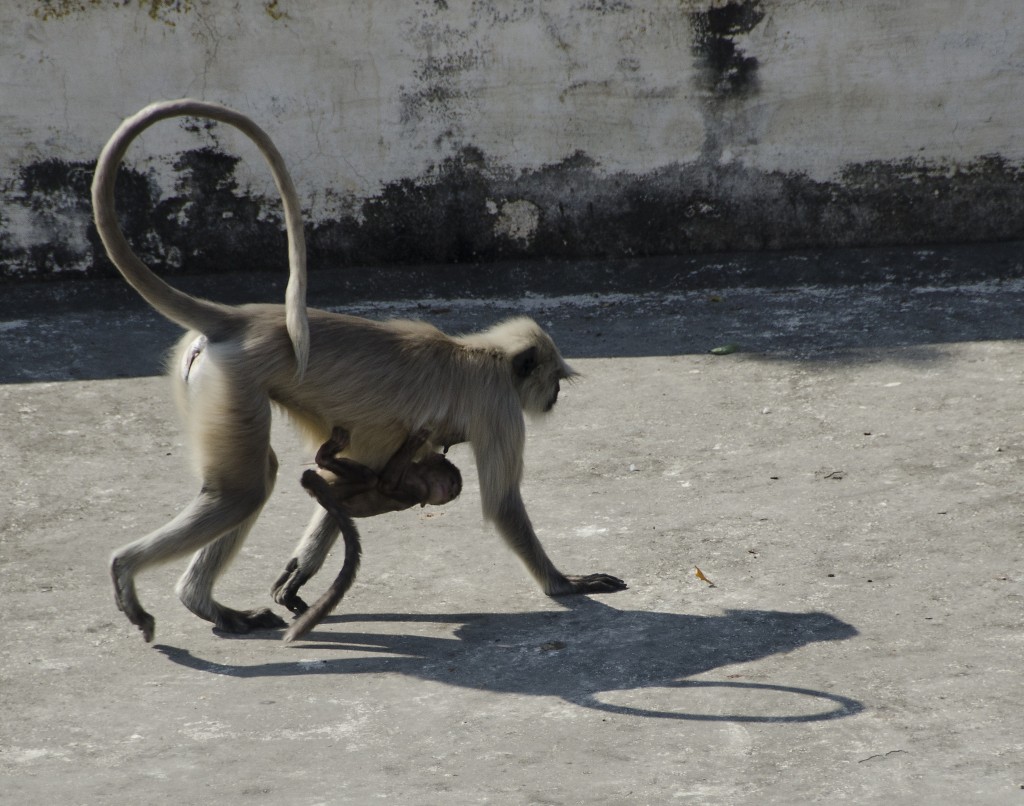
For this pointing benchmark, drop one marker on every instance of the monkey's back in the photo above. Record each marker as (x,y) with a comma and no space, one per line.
(380,380)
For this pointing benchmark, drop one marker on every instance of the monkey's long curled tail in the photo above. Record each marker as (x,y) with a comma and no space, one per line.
(209,318)
(323,606)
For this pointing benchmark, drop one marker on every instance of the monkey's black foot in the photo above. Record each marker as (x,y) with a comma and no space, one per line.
(594,583)
(286,589)
(243,621)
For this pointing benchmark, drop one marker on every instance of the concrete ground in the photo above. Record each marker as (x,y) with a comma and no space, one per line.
(849,481)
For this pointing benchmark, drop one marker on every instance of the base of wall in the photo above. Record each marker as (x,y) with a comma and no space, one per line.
(467,211)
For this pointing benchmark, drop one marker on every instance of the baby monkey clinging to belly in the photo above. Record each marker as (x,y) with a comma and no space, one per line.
(348,489)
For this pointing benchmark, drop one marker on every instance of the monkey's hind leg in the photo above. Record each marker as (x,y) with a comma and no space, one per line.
(353,551)
(514,526)
(195,588)
(203,521)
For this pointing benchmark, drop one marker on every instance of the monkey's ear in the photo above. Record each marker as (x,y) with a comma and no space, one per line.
(525,362)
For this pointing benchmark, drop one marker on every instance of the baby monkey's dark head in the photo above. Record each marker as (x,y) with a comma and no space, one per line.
(444,481)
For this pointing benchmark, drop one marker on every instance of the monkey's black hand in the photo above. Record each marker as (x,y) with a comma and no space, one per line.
(595,583)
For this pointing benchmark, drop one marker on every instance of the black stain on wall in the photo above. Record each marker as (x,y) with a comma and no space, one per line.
(725,75)
(450,216)
(209,224)
(724,70)
(56,194)
(443,219)
(206,225)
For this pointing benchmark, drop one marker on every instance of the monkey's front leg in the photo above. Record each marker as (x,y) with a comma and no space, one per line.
(514,525)
(127,600)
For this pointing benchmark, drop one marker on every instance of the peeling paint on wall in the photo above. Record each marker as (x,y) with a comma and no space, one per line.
(516,220)
(476,131)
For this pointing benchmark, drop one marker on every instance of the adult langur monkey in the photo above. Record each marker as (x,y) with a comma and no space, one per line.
(381,380)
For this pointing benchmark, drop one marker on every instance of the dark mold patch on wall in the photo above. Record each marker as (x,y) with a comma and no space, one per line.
(725,70)
(209,224)
(205,226)
(56,196)
(452,214)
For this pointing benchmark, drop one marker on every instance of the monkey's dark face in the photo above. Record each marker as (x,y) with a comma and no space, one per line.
(539,371)
(536,366)
(554,397)
(549,386)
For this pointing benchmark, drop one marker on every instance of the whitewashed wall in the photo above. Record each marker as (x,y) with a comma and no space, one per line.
(458,131)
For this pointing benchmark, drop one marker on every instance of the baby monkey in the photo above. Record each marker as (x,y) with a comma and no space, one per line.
(363,493)
(347,490)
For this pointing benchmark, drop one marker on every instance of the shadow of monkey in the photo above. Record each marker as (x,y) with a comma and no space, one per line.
(585,654)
